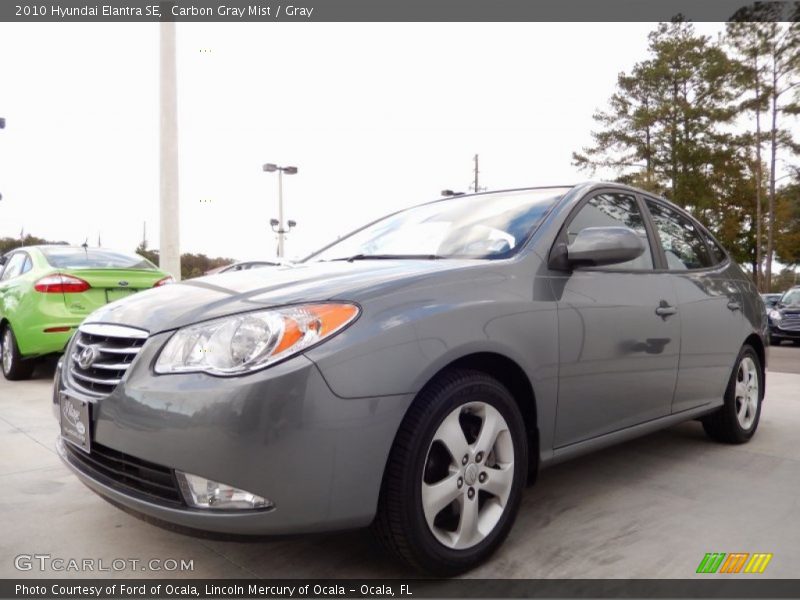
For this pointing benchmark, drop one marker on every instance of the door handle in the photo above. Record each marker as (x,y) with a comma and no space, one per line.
(664,310)
(734,305)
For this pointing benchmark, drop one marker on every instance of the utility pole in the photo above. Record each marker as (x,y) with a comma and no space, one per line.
(169,257)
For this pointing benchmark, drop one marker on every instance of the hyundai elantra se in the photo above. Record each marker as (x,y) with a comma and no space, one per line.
(415,375)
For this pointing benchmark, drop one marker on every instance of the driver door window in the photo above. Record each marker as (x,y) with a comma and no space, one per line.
(614,210)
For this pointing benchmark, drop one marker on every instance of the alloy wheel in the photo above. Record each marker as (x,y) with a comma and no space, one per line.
(468,475)
(746,392)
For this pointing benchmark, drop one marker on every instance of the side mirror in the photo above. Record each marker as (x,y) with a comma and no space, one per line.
(597,246)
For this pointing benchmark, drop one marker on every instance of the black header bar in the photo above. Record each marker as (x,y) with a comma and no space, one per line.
(235,11)
(702,587)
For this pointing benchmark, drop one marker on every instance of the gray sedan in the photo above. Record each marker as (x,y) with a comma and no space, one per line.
(415,375)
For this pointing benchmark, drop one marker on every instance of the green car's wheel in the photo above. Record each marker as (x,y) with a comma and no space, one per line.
(14,367)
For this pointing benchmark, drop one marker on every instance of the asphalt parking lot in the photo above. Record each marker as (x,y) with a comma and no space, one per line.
(650,508)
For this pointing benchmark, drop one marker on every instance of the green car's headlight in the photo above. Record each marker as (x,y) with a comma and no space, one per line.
(247,342)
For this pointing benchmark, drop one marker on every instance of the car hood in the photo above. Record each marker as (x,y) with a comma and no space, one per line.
(204,298)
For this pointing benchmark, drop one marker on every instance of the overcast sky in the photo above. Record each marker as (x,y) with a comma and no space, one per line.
(376,116)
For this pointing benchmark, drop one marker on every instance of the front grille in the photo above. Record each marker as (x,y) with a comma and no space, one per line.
(114,348)
(126,473)
(790,322)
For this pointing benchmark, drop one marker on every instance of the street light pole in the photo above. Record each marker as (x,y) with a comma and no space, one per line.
(278,224)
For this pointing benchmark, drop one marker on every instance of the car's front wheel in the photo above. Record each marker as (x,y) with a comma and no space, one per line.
(455,474)
(736,421)
(14,367)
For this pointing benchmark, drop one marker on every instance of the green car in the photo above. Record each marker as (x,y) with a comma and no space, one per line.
(46,291)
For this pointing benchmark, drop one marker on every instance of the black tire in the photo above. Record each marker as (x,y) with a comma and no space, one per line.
(723,424)
(14,367)
(400,523)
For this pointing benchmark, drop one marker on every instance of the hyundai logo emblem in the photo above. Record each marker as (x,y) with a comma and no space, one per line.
(86,357)
(123,283)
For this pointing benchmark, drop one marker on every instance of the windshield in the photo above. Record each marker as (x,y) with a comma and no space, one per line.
(791,298)
(94,258)
(483,226)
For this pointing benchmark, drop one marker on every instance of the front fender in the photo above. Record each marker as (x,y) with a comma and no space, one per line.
(395,353)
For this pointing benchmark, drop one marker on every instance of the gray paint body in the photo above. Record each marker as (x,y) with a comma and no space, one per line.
(313,433)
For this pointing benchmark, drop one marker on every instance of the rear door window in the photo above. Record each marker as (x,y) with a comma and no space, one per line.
(681,238)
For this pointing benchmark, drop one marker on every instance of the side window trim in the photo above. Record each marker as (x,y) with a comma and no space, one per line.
(656,247)
(561,238)
(707,239)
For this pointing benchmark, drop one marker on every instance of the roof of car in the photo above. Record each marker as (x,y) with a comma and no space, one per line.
(587,185)
(74,247)
(65,246)
(40,246)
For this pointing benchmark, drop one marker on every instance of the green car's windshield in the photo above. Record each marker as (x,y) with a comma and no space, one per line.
(482,226)
(65,257)
(791,298)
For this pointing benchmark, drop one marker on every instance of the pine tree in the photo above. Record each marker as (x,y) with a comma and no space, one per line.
(747,40)
(666,126)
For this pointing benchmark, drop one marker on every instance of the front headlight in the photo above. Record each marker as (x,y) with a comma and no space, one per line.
(775,315)
(251,341)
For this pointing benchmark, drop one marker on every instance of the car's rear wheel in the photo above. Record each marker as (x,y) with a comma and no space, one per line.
(737,420)
(455,475)
(14,366)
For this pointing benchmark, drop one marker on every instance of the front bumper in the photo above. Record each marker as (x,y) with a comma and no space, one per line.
(775,331)
(280,433)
